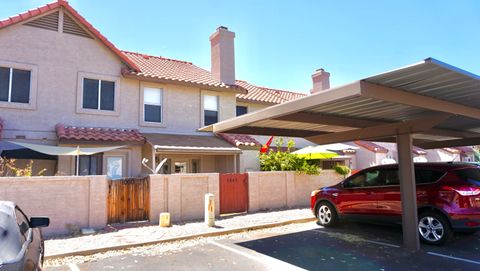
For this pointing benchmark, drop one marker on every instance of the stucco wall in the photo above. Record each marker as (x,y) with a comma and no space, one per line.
(182,195)
(70,202)
(249,161)
(270,190)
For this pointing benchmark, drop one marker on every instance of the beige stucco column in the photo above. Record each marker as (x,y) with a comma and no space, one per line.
(408,192)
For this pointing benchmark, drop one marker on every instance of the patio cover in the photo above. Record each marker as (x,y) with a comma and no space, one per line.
(190,144)
(434,101)
(430,104)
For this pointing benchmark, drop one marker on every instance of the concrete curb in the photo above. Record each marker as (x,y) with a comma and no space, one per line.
(179,238)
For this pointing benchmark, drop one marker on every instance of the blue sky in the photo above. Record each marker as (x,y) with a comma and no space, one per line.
(280,43)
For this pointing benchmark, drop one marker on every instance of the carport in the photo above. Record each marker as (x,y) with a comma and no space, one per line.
(429,104)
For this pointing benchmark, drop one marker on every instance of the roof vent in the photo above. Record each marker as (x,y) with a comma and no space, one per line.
(49,22)
(71,27)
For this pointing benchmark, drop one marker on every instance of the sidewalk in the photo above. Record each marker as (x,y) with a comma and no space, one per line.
(139,233)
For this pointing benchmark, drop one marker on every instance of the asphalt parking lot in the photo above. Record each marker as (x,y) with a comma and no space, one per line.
(351,246)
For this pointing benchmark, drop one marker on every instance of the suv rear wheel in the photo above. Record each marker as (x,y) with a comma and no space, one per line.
(433,228)
(326,214)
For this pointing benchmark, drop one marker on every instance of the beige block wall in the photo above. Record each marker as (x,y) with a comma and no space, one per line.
(69,202)
(182,195)
(271,190)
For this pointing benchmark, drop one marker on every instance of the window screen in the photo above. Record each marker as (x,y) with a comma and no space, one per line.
(4,83)
(20,86)
(241,110)
(152,99)
(107,98)
(210,106)
(90,93)
(14,85)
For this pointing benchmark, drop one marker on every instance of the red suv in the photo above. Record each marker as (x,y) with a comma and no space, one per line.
(448,199)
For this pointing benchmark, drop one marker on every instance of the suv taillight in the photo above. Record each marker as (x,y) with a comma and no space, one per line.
(464,190)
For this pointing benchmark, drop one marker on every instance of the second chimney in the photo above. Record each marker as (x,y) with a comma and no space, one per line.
(321,81)
(223,55)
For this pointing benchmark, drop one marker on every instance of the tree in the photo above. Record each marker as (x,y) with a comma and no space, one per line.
(284,160)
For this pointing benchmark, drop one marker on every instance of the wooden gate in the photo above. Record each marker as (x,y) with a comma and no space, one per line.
(128,200)
(233,193)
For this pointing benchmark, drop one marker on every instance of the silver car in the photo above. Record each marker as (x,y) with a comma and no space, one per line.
(21,242)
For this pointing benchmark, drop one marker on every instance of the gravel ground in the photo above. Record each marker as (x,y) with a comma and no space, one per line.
(166,249)
(62,244)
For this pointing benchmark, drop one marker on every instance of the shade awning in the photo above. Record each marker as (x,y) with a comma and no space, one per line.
(435,102)
(68,151)
(315,152)
(192,144)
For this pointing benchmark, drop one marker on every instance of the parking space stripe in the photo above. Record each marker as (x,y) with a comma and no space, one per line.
(368,241)
(279,265)
(381,243)
(73,267)
(453,258)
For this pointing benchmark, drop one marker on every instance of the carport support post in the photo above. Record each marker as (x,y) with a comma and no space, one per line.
(408,192)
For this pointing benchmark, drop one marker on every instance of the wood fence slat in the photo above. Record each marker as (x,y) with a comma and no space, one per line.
(128,200)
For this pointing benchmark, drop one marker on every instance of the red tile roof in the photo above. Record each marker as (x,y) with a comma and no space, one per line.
(98,134)
(62,3)
(465,149)
(240,140)
(418,150)
(157,67)
(451,150)
(371,146)
(266,95)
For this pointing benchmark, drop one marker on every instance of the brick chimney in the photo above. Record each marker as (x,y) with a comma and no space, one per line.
(223,55)
(321,81)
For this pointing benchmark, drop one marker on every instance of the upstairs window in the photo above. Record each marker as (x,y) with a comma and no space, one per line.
(241,110)
(14,85)
(98,94)
(152,104)
(210,109)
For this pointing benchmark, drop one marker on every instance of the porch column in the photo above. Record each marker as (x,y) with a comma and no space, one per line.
(408,192)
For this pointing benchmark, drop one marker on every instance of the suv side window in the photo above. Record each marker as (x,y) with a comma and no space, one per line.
(22,223)
(390,177)
(356,181)
(364,179)
(423,175)
(373,178)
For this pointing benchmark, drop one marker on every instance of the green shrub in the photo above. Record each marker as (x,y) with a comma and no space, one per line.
(342,170)
(279,160)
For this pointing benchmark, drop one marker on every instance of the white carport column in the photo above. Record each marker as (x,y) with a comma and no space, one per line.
(408,192)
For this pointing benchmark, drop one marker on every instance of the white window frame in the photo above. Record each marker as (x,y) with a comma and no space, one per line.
(203,106)
(32,102)
(100,77)
(163,104)
(160,103)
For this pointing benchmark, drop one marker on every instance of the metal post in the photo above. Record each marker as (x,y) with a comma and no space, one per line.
(77,165)
(408,192)
(210,210)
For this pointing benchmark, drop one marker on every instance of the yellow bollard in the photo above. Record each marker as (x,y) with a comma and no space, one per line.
(210,210)
(165,220)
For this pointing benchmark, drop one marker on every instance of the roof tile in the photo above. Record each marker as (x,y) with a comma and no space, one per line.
(171,69)
(266,95)
(240,140)
(98,134)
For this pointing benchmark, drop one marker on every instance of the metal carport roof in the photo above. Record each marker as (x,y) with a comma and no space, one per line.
(430,104)
(437,102)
